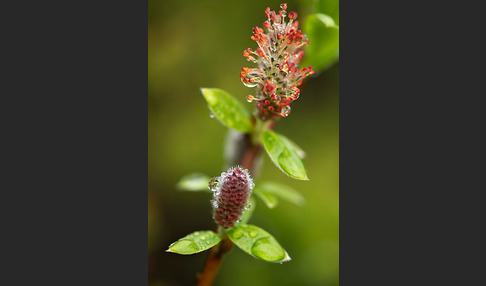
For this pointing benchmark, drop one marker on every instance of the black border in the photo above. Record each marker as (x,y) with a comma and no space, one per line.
(408,127)
(75,193)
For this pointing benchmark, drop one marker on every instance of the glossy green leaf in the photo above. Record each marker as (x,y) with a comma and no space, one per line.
(194,182)
(227,109)
(323,49)
(281,191)
(298,150)
(195,242)
(245,217)
(268,198)
(284,154)
(258,243)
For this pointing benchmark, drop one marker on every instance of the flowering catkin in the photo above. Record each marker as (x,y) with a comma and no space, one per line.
(278,55)
(232,191)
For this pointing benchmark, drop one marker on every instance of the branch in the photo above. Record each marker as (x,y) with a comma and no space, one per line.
(213,260)
(215,256)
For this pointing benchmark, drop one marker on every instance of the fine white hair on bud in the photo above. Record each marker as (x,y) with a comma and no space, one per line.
(231,193)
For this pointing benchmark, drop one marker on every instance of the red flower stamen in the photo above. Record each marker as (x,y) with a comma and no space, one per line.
(278,55)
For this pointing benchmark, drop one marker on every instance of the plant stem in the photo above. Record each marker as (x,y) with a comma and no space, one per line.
(250,156)
(252,149)
(254,146)
(213,261)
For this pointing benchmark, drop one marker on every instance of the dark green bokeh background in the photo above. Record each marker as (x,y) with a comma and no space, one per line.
(194,44)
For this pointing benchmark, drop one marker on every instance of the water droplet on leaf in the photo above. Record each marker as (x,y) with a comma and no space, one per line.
(211,114)
(253,233)
(268,249)
(237,234)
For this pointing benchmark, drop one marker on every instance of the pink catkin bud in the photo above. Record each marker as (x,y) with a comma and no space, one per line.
(231,194)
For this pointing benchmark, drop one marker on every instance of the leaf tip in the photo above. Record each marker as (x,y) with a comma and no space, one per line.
(304,178)
(286,258)
(169,250)
(203,91)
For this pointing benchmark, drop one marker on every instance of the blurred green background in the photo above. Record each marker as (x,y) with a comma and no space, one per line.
(194,44)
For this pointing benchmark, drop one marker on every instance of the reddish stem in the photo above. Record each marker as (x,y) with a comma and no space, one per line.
(213,261)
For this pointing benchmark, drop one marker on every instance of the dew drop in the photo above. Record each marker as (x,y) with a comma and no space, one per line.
(286,111)
(212,184)
(249,84)
(203,237)
(208,242)
(248,206)
(211,114)
(215,204)
(253,233)
(196,233)
(237,234)
(266,247)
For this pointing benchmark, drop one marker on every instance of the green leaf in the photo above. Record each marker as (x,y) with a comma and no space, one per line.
(227,109)
(298,150)
(194,182)
(269,199)
(323,49)
(328,7)
(280,190)
(328,21)
(258,243)
(195,242)
(245,217)
(284,154)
